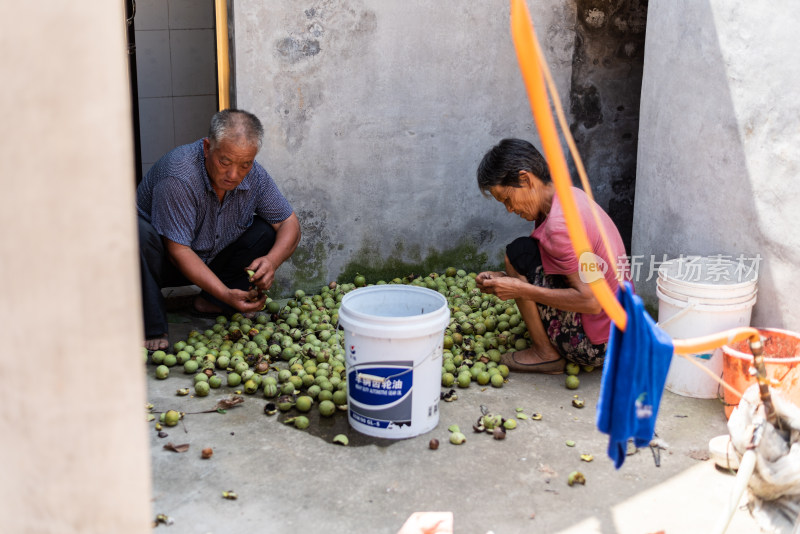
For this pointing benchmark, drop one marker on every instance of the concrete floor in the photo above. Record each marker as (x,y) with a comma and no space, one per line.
(290,480)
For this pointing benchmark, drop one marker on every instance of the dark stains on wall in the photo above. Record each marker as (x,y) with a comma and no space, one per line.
(294,49)
(586,106)
(309,261)
(319,35)
(604,100)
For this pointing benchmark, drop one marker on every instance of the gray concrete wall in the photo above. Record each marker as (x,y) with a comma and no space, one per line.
(74,439)
(377,114)
(719,129)
(604,100)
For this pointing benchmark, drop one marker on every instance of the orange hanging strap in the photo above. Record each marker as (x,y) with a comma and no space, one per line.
(526,46)
(534,74)
(576,157)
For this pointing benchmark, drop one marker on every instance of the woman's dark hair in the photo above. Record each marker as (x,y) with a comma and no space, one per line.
(503,162)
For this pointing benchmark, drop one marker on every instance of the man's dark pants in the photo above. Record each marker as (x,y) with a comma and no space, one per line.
(229,265)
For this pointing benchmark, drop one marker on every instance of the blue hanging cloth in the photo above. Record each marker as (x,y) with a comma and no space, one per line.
(634,373)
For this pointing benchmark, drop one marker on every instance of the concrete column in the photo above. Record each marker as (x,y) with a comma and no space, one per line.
(73,440)
(719,129)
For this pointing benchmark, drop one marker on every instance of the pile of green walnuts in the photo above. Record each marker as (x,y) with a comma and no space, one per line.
(294,352)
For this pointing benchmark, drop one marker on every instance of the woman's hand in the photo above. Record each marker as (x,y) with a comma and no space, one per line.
(488,275)
(504,287)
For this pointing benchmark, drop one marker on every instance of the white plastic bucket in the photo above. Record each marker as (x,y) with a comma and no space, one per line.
(393,338)
(707,277)
(698,297)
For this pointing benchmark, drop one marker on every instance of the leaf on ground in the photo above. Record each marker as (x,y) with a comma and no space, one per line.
(698,454)
(163,519)
(450,396)
(546,469)
(230,402)
(176,448)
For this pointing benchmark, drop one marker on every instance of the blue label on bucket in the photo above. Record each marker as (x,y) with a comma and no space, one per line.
(380,395)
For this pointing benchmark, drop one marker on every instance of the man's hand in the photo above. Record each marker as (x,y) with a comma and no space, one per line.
(287,236)
(246,301)
(263,273)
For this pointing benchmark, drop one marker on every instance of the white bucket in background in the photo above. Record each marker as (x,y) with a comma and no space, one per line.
(707,277)
(698,297)
(393,337)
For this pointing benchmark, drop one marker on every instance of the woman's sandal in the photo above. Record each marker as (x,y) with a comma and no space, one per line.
(553,367)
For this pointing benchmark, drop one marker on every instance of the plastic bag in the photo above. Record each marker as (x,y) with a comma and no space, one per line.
(774,487)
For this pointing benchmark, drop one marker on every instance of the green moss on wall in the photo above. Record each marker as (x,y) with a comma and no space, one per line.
(309,263)
(405,260)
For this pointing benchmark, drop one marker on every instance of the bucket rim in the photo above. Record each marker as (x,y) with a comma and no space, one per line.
(734,298)
(400,327)
(706,306)
(393,288)
(706,287)
(730,351)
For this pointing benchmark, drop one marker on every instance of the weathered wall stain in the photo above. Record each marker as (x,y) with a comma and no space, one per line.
(295,106)
(324,32)
(378,113)
(293,49)
(308,270)
(604,100)
(586,106)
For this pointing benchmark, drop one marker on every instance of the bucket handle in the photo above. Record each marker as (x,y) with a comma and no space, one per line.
(692,303)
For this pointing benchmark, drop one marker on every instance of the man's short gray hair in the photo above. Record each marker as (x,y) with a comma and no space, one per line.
(234,123)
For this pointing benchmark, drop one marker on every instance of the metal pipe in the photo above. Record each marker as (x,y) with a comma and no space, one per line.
(223,57)
(757,348)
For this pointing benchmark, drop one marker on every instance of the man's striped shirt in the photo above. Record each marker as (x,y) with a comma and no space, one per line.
(176,197)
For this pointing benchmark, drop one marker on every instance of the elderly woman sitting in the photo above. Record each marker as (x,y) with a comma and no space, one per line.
(564,319)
